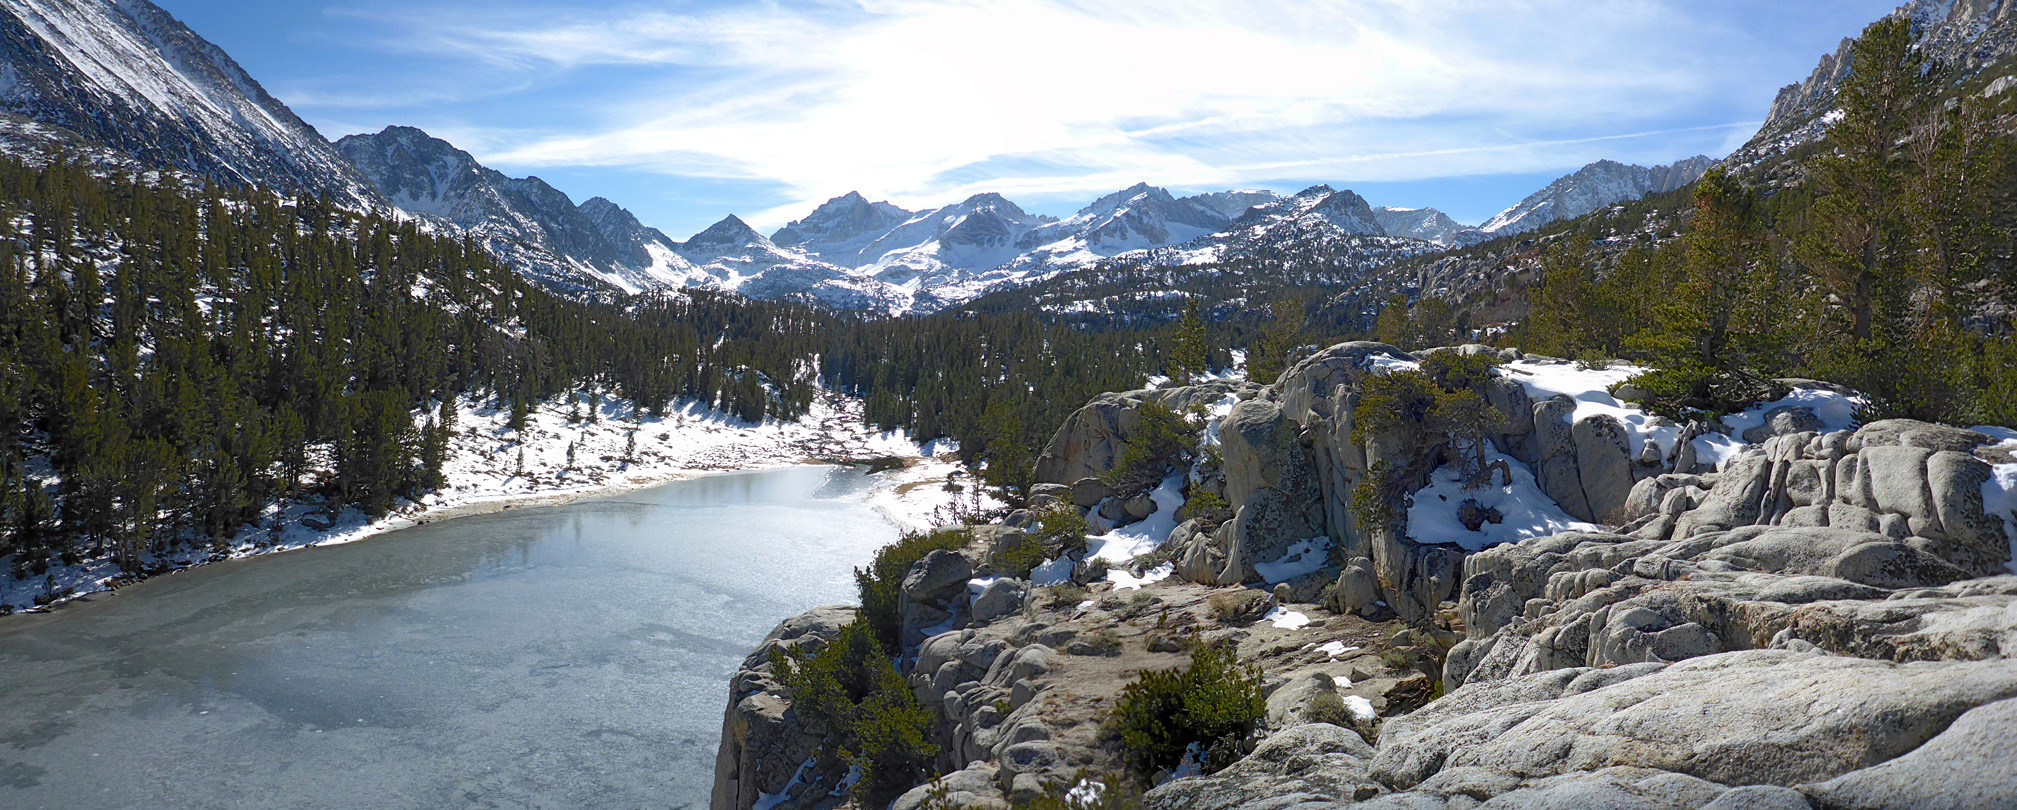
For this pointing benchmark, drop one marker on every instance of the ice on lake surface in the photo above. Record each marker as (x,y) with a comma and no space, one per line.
(566,657)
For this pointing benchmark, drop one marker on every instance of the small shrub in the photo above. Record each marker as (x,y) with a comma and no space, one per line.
(1161,438)
(1687,391)
(1102,642)
(1373,506)
(850,688)
(1207,507)
(1456,371)
(881,583)
(1216,702)
(1067,594)
(1154,559)
(1130,607)
(1237,607)
(1018,559)
(1327,707)
(1062,526)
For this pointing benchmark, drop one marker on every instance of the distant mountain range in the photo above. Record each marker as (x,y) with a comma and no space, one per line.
(124,83)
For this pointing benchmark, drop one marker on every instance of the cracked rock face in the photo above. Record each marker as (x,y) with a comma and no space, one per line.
(1825,621)
(1822,623)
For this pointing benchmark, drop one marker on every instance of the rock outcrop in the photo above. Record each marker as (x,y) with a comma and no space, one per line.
(1821,620)
(764,748)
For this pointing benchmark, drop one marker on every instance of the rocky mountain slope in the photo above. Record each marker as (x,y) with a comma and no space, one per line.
(1782,609)
(1315,219)
(549,238)
(948,254)
(840,230)
(1591,188)
(128,76)
(1977,39)
(1428,225)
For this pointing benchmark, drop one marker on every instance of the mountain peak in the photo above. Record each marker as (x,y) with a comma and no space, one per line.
(1592,187)
(993,200)
(1122,197)
(1428,225)
(730,231)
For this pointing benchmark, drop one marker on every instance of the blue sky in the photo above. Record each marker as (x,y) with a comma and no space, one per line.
(685,112)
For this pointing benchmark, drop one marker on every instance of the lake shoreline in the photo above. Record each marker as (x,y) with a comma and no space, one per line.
(683,445)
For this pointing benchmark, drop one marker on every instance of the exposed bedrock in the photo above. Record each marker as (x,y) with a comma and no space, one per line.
(1823,620)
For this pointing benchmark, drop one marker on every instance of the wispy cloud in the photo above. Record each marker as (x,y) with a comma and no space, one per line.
(924,101)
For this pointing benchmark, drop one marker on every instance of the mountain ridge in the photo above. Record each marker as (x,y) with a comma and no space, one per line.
(128,75)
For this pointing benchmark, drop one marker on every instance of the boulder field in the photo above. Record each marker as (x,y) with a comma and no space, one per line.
(1785,613)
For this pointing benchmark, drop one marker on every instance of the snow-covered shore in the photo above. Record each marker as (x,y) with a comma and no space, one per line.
(490,467)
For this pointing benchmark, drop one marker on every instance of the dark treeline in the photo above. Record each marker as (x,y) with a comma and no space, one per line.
(175,360)
(1885,266)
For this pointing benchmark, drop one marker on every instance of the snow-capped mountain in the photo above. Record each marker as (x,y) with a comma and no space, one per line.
(530,224)
(1317,220)
(948,255)
(1137,217)
(1428,225)
(730,255)
(1967,36)
(1231,204)
(128,76)
(1592,187)
(841,229)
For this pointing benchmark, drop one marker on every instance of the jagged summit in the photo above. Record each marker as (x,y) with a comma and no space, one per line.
(731,231)
(1428,225)
(840,228)
(1232,204)
(1969,37)
(527,222)
(1600,184)
(1344,210)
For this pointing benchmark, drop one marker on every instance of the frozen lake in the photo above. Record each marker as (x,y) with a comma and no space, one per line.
(567,657)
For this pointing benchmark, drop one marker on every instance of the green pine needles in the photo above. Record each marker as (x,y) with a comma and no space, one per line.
(1215,703)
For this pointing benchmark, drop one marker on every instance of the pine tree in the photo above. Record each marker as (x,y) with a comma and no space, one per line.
(1280,336)
(1724,330)
(518,412)
(1190,352)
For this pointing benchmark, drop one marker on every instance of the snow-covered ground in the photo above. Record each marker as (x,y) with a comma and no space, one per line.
(1591,390)
(491,467)
(1999,493)
(934,491)
(1524,510)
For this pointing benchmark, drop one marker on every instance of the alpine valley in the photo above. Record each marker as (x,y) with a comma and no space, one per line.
(1682,487)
